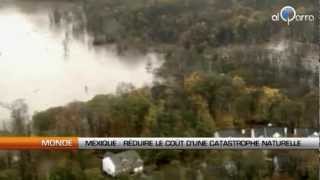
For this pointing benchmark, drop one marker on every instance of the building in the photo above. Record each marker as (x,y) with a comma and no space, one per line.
(128,162)
(274,132)
(277,132)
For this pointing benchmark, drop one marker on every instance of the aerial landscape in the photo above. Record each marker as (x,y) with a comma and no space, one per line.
(158,68)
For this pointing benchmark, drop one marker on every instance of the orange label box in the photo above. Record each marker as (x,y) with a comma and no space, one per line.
(40,143)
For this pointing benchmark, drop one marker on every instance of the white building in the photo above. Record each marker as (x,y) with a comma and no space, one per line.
(128,162)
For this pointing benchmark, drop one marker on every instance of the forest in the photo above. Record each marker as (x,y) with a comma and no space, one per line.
(226,66)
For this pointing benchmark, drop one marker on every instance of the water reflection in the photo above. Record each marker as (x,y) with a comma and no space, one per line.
(48,66)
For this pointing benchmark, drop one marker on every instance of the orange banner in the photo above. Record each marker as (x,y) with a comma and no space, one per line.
(41,143)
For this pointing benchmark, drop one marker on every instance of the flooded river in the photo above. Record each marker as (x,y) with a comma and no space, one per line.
(48,66)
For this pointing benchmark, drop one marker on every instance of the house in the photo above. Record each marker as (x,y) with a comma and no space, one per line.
(274,132)
(277,132)
(128,162)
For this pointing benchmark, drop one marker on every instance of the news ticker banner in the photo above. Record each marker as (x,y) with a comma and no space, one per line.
(74,143)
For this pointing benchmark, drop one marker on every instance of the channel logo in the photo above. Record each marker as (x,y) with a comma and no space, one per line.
(288,14)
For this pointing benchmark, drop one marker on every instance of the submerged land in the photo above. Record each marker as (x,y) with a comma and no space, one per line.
(224,65)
